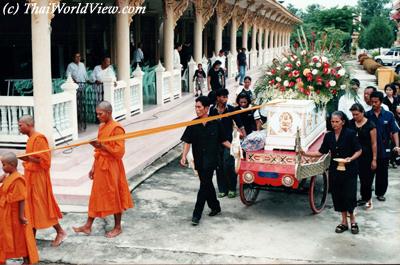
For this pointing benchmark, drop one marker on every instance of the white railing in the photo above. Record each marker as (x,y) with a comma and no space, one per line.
(114,92)
(13,107)
(253,59)
(260,57)
(232,65)
(135,85)
(176,83)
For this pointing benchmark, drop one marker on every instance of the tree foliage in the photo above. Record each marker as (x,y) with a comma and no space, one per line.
(372,8)
(379,33)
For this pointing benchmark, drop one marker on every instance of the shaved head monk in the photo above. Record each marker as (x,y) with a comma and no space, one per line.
(44,209)
(17,240)
(110,191)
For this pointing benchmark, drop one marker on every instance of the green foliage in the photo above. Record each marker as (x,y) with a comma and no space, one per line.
(336,23)
(374,53)
(373,8)
(379,33)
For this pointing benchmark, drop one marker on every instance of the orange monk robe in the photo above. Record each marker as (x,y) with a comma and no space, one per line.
(43,206)
(110,191)
(16,239)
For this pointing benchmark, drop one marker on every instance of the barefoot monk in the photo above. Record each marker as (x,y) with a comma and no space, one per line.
(110,192)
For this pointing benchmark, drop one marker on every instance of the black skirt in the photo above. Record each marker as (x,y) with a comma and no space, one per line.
(344,190)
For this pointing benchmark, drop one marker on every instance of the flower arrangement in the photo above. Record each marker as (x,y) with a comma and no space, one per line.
(303,74)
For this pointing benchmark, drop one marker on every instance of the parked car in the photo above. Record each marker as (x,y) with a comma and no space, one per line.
(389,58)
(396,66)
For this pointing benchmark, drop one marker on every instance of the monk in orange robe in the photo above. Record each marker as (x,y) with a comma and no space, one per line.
(43,206)
(16,235)
(110,191)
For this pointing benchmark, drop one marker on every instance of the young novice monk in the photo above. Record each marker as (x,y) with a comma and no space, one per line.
(16,235)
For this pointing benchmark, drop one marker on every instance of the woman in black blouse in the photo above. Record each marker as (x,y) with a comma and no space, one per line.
(366,132)
(391,100)
(342,143)
(243,102)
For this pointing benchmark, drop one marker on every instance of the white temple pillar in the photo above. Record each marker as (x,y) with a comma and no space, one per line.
(245,33)
(233,36)
(198,37)
(41,72)
(123,54)
(168,38)
(218,34)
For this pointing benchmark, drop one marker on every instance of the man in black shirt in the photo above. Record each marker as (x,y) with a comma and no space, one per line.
(205,140)
(226,175)
(216,77)
(242,65)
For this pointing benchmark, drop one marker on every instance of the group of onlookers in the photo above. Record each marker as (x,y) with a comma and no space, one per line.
(367,143)
(78,72)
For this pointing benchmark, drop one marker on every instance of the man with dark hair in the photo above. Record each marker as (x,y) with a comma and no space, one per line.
(247,89)
(226,175)
(367,99)
(387,129)
(215,77)
(205,139)
(241,64)
(77,69)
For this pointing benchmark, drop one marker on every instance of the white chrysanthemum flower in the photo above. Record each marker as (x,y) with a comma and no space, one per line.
(303,52)
(342,72)
(324,59)
(286,83)
(311,64)
(332,83)
(318,65)
(284,59)
(278,68)
(314,71)
(287,68)
(269,73)
(343,87)
(298,63)
(338,65)
(278,79)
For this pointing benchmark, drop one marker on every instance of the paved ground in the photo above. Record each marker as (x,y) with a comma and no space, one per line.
(279,228)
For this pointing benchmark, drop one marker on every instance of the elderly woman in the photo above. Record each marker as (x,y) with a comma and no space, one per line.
(366,132)
(342,143)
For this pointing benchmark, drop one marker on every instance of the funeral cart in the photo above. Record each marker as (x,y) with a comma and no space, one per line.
(292,125)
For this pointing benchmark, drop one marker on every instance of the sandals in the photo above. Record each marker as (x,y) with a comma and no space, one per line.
(354,228)
(341,228)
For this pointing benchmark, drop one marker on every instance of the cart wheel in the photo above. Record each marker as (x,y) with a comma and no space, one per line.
(248,193)
(318,191)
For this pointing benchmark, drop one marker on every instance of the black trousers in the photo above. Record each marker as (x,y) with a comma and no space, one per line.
(366,176)
(226,175)
(206,193)
(381,179)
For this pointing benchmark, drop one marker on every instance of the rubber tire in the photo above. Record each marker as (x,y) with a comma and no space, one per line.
(318,208)
(379,61)
(248,201)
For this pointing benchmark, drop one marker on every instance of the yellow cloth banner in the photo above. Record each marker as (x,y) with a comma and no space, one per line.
(164,128)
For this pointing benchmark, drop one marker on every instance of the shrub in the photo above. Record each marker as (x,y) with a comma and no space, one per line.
(370,65)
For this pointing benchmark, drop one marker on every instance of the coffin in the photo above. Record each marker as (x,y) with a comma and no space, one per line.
(286,117)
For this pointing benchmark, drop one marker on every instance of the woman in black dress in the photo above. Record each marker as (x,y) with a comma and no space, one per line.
(342,142)
(366,132)
(392,101)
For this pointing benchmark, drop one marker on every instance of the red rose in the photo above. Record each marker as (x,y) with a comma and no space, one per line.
(282,88)
(298,80)
(291,84)
(315,60)
(318,91)
(319,80)
(289,65)
(273,71)
(290,74)
(327,85)
(309,77)
(307,92)
(325,71)
(333,71)
(334,92)
(338,76)
(296,73)
(326,65)
(272,81)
